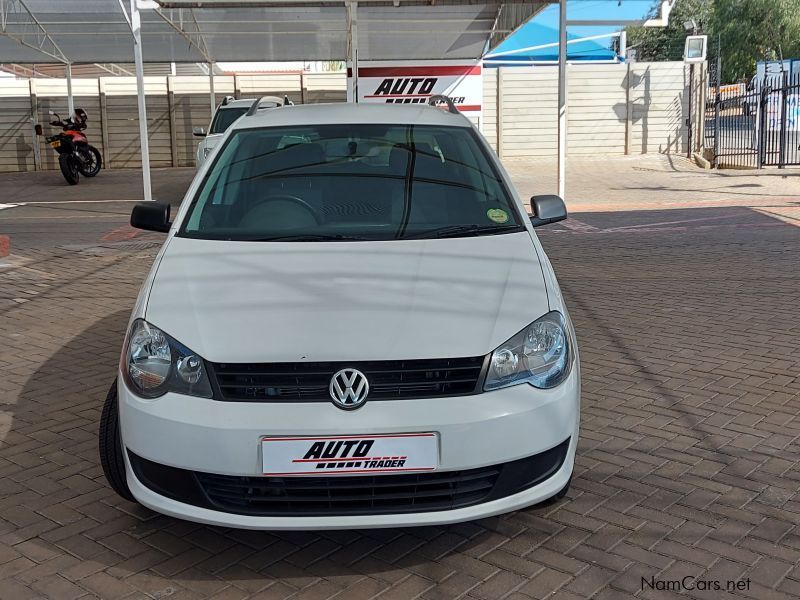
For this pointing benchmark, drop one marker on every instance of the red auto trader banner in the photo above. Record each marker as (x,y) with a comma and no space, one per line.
(412,82)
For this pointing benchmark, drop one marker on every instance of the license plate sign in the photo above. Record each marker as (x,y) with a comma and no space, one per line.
(55,144)
(350,454)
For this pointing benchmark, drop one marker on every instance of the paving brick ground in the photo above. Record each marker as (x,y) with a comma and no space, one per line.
(688,465)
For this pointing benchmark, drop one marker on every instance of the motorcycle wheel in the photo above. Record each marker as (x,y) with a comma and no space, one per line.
(69,168)
(92,161)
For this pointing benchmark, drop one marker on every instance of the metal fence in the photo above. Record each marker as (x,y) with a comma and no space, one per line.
(756,126)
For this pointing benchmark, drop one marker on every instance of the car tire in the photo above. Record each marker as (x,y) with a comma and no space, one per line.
(110,446)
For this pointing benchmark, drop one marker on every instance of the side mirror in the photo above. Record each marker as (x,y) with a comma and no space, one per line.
(151,216)
(547,209)
(50,112)
(38,129)
(198,132)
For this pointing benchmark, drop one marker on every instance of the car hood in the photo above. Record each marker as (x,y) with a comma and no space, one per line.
(326,301)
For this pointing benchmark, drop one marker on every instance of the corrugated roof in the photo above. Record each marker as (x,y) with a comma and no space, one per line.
(90,31)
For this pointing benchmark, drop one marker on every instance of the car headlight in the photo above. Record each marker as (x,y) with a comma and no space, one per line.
(539,355)
(154,364)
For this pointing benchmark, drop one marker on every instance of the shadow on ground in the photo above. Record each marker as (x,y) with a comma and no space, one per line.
(114,533)
(688,462)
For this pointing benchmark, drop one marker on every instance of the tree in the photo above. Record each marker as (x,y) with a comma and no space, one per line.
(666,43)
(747,31)
(753,30)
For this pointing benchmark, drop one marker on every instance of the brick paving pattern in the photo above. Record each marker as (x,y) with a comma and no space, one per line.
(688,464)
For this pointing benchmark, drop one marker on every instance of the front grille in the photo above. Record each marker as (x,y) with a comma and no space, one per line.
(340,495)
(308,382)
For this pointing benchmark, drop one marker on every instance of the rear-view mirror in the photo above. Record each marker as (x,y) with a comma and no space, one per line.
(547,209)
(151,216)
(198,132)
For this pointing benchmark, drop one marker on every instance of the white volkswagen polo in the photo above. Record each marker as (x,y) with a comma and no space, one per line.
(351,324)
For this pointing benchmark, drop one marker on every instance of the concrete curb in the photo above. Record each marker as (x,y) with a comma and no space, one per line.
(701,161)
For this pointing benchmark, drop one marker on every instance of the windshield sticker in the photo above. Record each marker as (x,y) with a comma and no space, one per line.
(498,215)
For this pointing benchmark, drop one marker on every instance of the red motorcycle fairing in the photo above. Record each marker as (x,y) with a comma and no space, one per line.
(77,136)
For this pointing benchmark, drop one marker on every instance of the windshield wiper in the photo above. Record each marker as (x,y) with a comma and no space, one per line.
(311,237)
(462,231)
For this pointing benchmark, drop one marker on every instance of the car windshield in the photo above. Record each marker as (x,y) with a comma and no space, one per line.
(351,182)
(225,117)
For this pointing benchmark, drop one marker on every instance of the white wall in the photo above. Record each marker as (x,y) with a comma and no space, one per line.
(174,106)
(606,109)
(599,109)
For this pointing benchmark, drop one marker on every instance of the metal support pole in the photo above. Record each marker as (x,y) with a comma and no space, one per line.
(173,125)
(562,98)
(101,84)
(717,100)
(499,109)
(352,48)
(212,93)
(628,107)
(136,29)
(689,117)
(762,122)
(37,151)
(784,110)
(70,100)
(700,112)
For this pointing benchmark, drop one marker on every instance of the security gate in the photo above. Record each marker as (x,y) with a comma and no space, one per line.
(781,123)
(757,125)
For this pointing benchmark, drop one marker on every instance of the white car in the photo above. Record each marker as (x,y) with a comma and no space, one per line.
(228,111)
(351,324)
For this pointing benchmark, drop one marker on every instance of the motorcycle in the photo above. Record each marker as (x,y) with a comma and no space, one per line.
(75,155)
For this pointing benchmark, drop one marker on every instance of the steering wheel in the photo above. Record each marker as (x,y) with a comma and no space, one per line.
(286,198)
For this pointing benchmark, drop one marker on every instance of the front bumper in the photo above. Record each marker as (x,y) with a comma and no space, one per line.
(208,436)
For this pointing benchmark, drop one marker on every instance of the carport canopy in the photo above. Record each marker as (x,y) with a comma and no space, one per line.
(208,31)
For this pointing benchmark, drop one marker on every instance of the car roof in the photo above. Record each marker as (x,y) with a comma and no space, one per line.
(243,102)
(349,112)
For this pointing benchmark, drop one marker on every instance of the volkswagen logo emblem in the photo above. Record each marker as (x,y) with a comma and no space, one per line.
(349,388)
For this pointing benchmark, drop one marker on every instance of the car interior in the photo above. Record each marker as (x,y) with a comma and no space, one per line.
(311,182)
